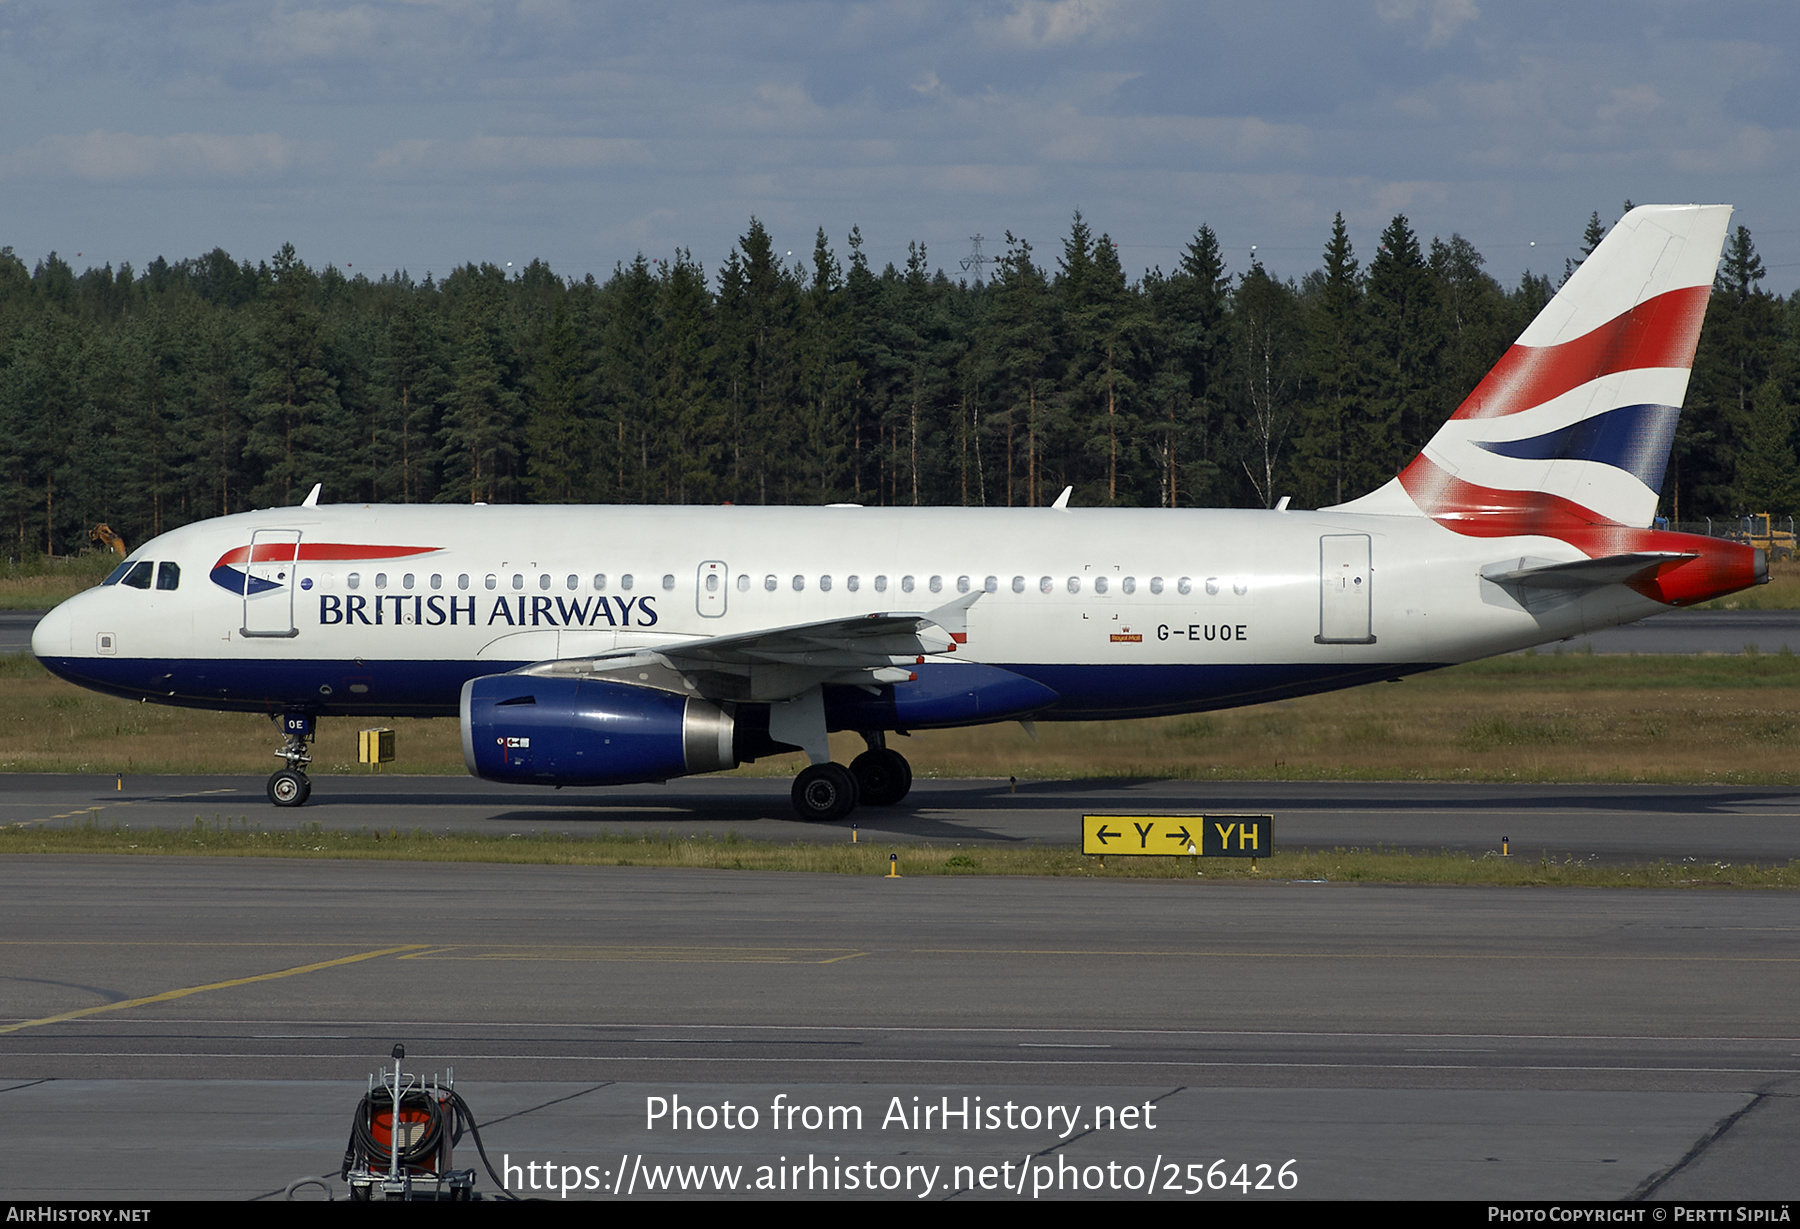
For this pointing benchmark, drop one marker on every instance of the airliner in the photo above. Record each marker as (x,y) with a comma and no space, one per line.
(594,646)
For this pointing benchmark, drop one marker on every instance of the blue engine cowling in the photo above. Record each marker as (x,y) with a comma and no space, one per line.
(528,730)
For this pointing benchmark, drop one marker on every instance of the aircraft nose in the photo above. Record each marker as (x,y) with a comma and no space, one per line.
(53,635)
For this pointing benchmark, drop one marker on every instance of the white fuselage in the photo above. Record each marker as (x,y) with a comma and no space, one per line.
(389,609)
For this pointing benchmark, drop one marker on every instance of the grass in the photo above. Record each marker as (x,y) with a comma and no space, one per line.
(1781,593)
(38,582)
(240,838)
(1532,717)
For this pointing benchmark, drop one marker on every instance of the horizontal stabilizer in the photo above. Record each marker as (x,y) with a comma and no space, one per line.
(1582,573)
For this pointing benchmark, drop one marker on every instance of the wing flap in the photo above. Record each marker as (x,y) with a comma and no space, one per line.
(782,662)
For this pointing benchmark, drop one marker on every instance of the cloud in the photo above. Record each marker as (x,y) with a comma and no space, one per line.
(1443,18)
(315,33)
(101,156)
(1630,103)
(1403,196)
(1055,23)
(504,154)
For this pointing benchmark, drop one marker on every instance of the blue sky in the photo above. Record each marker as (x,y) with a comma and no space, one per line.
(423,134)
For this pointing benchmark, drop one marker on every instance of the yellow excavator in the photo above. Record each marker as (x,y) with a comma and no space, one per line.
(102,535)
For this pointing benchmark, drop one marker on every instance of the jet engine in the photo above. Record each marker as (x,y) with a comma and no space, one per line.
(528,730)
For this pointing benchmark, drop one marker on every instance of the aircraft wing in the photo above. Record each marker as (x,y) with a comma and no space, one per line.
(782,662)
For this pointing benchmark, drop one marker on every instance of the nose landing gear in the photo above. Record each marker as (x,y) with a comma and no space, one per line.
(288,787)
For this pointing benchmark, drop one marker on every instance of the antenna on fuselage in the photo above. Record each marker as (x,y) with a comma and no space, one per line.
(312,496)
(1062,501)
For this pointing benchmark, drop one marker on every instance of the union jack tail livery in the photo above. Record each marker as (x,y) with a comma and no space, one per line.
(1568,436)
(1575,421)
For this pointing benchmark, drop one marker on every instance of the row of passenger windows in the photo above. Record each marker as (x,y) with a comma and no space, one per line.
(1045,584)
(142,574)
(139,575)
(771,582)
(463,581)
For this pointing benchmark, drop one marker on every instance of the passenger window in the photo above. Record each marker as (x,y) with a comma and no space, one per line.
(1018,584)
(1184,586)
(1240,586)
(1156,584)
(881,584)
(544,580)
(991,585)
(1099,584)
(437,580)
(491,582)
(625,581)
(1129,584)
(743,582)
(518,580)
(139,576)
(906,584)
(599,581)
(1046,584)
(825,583)
(853,583)
(799,583)
(574,583)
(355,579)
(769,583)
(168,576)
(962,584)
(406,581)
(668,581)
(381,580)
(1074,584)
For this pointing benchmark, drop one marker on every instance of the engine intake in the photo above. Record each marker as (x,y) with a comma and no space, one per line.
(560,731)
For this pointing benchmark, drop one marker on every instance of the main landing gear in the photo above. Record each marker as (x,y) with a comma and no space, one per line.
(288,787)
(878,777)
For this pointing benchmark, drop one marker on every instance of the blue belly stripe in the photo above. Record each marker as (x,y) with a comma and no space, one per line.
(434,688)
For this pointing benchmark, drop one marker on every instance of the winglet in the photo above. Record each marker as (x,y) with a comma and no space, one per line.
(312,496)
(953,616)
(1062,501)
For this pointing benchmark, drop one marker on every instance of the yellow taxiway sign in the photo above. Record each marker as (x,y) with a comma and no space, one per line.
(1209,836)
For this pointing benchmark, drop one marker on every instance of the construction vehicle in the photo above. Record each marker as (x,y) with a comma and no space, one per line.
(1763,532)
(102,535)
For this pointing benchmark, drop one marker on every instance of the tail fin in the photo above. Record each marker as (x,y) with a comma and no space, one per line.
(1572,427)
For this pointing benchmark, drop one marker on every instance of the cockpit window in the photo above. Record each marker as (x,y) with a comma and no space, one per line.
(139,576)
(117,574)
(168,576)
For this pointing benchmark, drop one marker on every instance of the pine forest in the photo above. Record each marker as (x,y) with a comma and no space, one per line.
(150,398)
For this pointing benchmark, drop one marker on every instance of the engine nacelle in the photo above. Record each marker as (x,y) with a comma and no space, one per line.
(529,730)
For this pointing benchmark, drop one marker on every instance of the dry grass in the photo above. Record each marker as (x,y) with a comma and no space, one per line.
(1527,718)
(1781,593)
(239,838)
